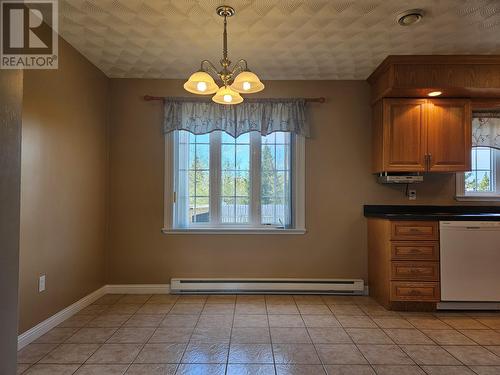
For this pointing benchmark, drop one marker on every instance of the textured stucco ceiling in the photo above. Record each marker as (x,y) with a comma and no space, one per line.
(281,39)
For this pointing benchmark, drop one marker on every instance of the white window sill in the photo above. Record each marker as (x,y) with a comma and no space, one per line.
(232,231)
(478,198)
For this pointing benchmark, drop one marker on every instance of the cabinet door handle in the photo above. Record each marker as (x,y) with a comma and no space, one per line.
(430,159)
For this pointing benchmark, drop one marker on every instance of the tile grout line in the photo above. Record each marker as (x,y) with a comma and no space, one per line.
(106,341)
(308,335)
(270,337)
(191,335)
(79,328)
(230,337)
(144,344)
(357,347)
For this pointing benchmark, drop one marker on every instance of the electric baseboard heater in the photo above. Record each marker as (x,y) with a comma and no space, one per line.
(271,286)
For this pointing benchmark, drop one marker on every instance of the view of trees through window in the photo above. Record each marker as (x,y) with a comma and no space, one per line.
(275,178)
(480,178)
(232,178)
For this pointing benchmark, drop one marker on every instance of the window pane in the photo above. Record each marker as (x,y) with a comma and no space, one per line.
(228,184)
(226,138)
(192,183)
(281,137)
(267,184)
(483,158)
(202,210)
(268,158)
(275,179)
(281,162)
(199,210)
(228,156)
(203,156)
(242,210)
(270,138)
(470,181)
(202,183)
(243,184)
(483,181)
(235,179)
(193,179)
(203,138)
(193,187)
(244,138)
(227,209)
(243,157)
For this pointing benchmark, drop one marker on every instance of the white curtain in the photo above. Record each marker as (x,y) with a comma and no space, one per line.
(486,129)
(263,115)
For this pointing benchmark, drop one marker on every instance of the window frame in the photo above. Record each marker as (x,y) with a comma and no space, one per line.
(463,195)
(297,193)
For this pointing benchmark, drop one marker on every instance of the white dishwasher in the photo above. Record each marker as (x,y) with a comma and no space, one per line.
(470,264)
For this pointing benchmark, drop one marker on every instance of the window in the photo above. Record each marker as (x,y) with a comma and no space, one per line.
(483,181)
(216,182)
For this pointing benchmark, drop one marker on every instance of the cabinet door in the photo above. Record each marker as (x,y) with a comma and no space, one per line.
(404,135)
(449,130)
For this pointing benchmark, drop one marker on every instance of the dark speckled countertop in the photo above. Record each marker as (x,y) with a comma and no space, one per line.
(442,213)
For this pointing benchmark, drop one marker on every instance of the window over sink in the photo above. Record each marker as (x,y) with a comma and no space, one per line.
(482,182)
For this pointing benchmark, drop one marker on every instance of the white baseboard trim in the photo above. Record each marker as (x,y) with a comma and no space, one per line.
(33,333)
(138,289)
(43,327)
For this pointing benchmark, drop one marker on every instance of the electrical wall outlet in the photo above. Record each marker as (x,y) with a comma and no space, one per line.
(41,283)
(412,195)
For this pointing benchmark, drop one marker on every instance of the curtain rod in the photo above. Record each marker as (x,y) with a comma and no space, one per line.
(308,100)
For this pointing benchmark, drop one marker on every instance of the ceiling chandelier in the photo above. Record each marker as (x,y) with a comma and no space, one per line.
(234,80)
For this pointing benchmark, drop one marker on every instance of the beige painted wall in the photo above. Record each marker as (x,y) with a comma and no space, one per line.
(63,188)
(338,183)
(11,98)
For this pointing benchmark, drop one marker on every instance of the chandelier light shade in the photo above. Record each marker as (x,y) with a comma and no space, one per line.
(247,83)
(226,95)
(201,83)
(233,80)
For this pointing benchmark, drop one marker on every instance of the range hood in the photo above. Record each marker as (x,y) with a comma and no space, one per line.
(400,178)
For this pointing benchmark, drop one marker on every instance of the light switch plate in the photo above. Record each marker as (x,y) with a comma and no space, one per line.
(41,283)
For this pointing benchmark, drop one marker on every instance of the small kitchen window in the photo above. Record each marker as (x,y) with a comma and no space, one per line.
(482,182)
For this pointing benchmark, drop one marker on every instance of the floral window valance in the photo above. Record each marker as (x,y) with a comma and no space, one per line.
(486,129)
(263,115)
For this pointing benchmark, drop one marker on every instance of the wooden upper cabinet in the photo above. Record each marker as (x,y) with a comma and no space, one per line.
(421,135)
(449,135)
(465,76)
(404,135)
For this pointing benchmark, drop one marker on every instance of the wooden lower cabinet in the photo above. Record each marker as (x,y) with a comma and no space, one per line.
(403,263)
(414,291)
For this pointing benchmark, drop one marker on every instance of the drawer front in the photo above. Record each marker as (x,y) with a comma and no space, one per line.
(414,230)
(414,291)
(417,250)
(415,271)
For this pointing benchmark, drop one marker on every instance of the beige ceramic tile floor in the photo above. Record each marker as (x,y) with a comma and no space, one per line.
(261,335)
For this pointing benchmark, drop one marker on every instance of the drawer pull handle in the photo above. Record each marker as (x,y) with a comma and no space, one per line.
(414,250)
(414,292)
(414,271)
(415,230)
